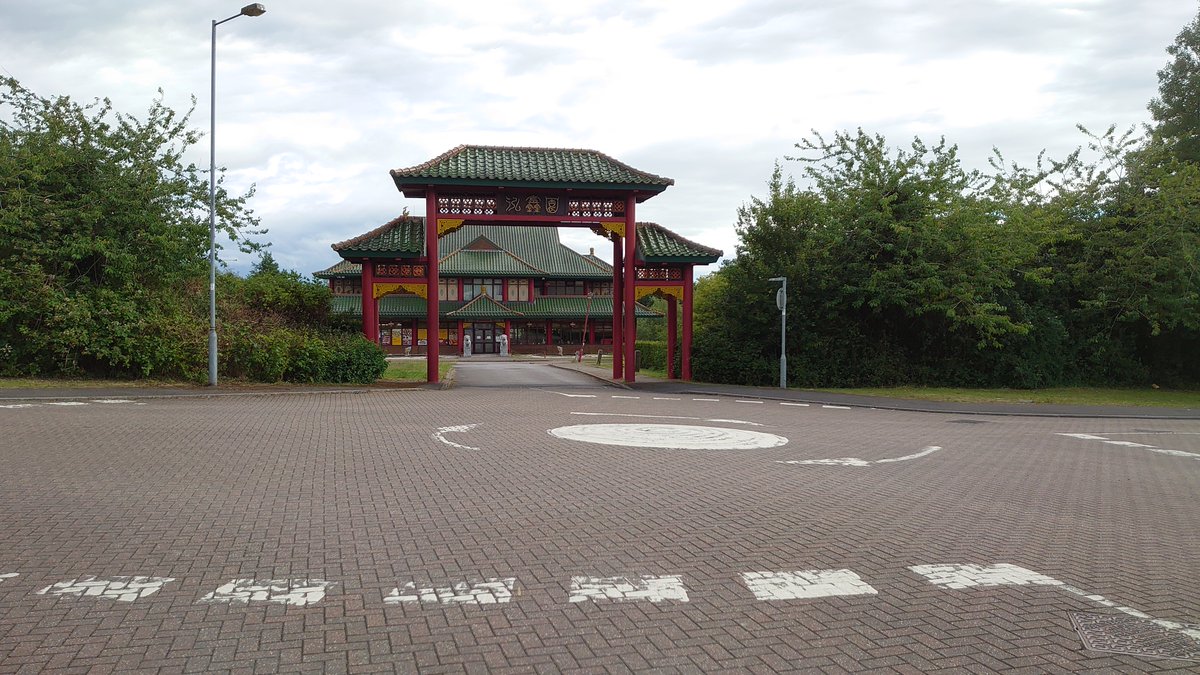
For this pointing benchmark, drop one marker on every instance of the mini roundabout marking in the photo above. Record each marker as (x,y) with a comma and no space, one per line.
(669,436)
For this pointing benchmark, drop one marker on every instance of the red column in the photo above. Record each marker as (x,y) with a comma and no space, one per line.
(460,337)
(549,335)
(671,312)
(431,288)
(618,285)
(630,332)
(370,315)
(687,323)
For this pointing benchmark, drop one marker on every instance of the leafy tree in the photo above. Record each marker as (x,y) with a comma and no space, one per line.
(1176,109)
(103,235)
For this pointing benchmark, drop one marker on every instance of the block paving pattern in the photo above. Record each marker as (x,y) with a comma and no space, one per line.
(354,489)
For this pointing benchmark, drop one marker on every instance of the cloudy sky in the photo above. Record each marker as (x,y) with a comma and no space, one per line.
(317,100)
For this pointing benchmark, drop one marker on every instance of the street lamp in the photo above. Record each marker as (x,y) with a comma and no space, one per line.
(781,303)
(254,9)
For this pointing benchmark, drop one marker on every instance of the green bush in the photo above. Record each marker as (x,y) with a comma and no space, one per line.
(653,354)
(354,360)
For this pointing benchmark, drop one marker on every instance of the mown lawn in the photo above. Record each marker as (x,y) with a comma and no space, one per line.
(413,370)
(1164,398)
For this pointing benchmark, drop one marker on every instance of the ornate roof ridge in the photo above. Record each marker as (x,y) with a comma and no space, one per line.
(484,297)
(452,152)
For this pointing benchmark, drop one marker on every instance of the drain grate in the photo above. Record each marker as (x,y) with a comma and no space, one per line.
(1137,637)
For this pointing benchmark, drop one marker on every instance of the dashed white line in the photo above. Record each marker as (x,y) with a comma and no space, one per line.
(616,396)
(666,398)
(805,584)
(8,575)
(488,592)
(623,589)
(294,592)
(111,400)
(710,400)
(575,395)
(18,405)
(798,405)
(756,402)
(66,403)
(836,407)
(122,589)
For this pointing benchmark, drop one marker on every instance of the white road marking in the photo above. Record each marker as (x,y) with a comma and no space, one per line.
(1004,574)
(669,436)
(855,461)
(66,403)
(1131,444)
(8,575)
(755,402)
(575,395)
(111,400)
(624,589)
(711,400)
(666,398)
(490,592)
(799,405)
(805,584)
(19,405)
(616,396)
(294,592)
(122,589)
(836,407)
(459,428)
(666,417)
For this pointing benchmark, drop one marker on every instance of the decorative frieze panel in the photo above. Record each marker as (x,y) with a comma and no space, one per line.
(596,208)
(393,270)
(380,290)
(467,206)
(659,274)
(662,291)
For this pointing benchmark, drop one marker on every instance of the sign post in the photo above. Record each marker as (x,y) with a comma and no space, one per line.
(781,303)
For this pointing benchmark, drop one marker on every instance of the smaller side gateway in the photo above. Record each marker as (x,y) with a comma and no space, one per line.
(489,244)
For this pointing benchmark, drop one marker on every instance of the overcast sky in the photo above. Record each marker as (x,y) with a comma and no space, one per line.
(317,100)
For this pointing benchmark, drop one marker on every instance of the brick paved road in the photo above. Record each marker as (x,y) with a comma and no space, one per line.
(448,531)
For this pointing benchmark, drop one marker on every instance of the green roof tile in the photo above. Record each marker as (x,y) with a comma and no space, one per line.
(344,268)
(658,244)
(516,166)
(484,307)
(463,263)
(403,237)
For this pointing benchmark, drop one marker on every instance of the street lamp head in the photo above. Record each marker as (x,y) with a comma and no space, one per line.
(255,9)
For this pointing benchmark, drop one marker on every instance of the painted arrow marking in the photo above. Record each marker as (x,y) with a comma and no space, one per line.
(1004,574)
(855,461)
(803,584)
(8,575)
(454,429)
(1131,444)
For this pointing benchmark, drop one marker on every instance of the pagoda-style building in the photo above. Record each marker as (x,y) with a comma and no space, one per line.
(489,244)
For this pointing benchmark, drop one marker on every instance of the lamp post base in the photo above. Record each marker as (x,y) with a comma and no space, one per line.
(212,358)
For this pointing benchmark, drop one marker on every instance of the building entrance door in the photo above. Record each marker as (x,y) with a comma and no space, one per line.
(483,339)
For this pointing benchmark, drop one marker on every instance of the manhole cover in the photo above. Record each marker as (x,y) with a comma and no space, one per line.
(1137,637)
(968,421)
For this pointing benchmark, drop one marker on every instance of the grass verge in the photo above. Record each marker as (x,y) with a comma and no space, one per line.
(1162,398)
(413,371)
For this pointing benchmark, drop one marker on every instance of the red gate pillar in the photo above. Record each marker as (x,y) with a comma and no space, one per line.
(370,313)
(671,316)
(617,293)
(432,345)
(630,332)
(687,323)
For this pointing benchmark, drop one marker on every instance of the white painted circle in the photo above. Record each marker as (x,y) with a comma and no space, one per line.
(669,436)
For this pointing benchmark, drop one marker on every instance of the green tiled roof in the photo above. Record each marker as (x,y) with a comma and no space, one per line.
(537,247)
(344,268)
(413,307)
(482,165)
(403,237)
(464,263)
(658,244)
(484,307)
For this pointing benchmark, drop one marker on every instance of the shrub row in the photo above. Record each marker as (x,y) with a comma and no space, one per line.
(297,355)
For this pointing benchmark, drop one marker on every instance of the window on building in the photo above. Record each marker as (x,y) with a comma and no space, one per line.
(565,287)
(518,290)
(528,332)
(347,286)
(447,289)
(567,332)
(603,332)
(476,287)
(601,287)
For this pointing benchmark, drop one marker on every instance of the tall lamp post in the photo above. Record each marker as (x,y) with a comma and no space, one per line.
(781,303)
(249,10)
